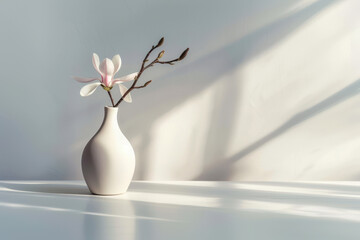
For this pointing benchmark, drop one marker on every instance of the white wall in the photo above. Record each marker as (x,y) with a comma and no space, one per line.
(269,91)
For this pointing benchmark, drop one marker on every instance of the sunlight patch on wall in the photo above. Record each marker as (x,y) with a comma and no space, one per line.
(180,136)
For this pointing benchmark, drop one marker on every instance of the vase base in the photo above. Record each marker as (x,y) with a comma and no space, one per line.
(107,194)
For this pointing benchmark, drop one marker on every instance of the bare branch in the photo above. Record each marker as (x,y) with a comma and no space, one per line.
(111,98)
(147,83)
(144,67)
(161,41)
(171,62)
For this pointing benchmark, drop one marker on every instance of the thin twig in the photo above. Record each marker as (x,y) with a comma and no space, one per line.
(147,83)
(169,62)
(143,68)
(140,72)
(111,98)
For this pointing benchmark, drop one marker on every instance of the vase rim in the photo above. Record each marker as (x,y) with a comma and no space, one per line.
(111,107)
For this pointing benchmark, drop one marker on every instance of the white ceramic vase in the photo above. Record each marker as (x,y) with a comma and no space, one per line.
(108,160)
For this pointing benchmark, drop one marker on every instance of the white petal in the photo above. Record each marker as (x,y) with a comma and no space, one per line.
(117,63)
(85,80)
(96,62)
(107,67)
(127,78)
(116,81)
(89,89)
(123,90)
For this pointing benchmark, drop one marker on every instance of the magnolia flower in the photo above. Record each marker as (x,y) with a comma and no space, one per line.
(107,69)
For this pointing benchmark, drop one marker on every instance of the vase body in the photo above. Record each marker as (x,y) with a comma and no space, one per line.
(108,159)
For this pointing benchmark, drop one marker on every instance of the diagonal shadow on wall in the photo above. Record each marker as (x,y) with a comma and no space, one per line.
(222,170)
(209,69)
(212,66)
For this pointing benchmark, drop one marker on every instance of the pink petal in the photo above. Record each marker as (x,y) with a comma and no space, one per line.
(85,80)
(126,78)
(116,81)
(117,63)
(107,67)
(96,63)
(89,89)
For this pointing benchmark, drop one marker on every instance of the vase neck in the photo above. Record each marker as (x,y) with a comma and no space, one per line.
(110,117)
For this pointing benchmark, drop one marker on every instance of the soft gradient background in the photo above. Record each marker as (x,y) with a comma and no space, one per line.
(269,91)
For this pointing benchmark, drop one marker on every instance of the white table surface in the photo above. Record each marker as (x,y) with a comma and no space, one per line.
(181,210)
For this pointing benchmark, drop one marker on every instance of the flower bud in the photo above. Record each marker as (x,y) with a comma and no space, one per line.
(161,41)
(161,54)
(183,55)
(147,83)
